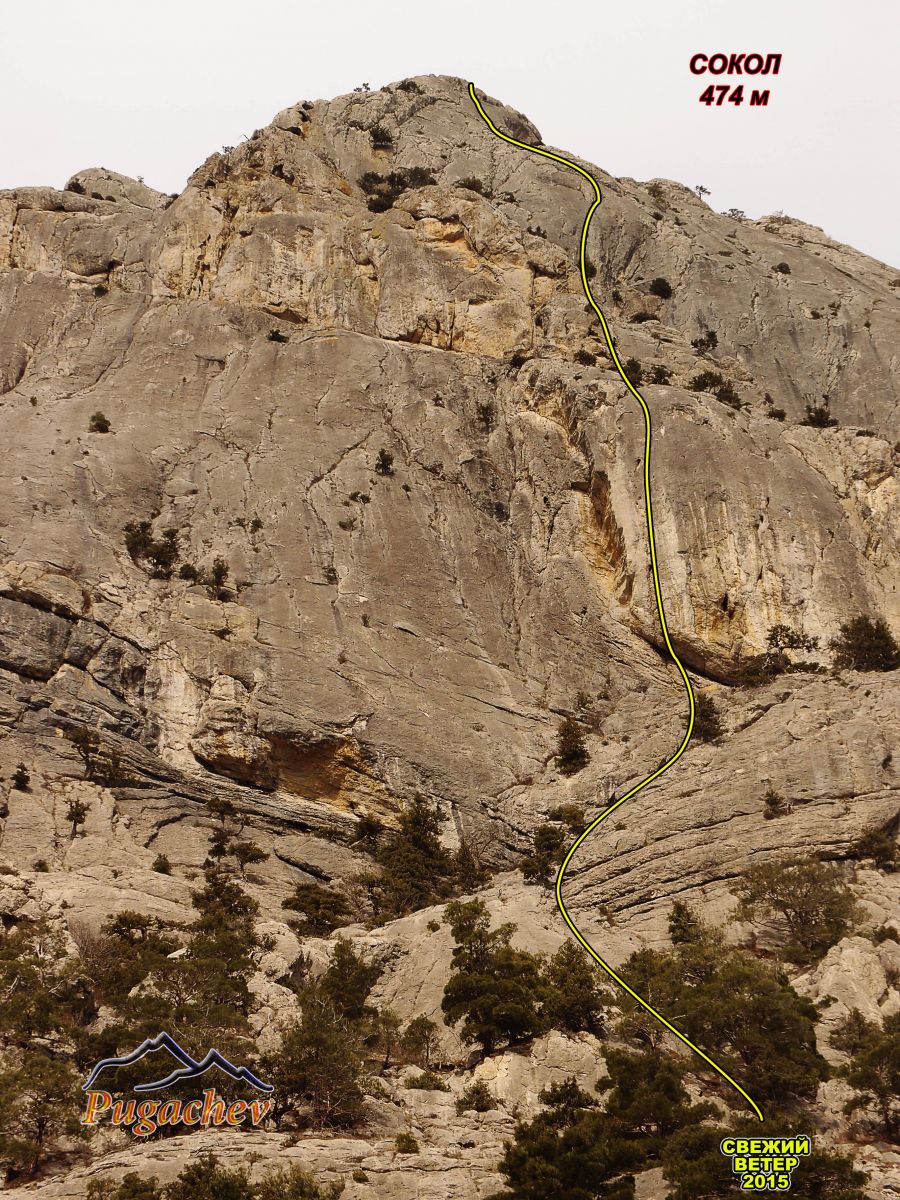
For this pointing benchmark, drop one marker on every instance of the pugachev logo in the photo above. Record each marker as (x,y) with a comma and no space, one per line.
(144,1117)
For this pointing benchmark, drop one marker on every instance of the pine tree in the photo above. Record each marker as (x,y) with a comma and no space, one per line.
(571,753)
(684,924)
(347,982)
(494,990)
(570,1151)
(647,1095)
(808,899)
(247,854)
(574,996)
(416,868)
(741,1011)
(384,1035)
(419,1040)
(316,1070)
(874,1074)
(548,852)
(32,982)
(40,1100)
(865,644)
(76,812)
(694,1165)
(322,909)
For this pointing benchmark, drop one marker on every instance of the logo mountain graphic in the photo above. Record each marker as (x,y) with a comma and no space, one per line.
(189,1069)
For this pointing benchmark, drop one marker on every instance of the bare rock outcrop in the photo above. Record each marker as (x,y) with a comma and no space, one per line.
(358,372)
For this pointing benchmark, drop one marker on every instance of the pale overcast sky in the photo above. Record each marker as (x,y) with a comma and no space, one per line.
(152,87)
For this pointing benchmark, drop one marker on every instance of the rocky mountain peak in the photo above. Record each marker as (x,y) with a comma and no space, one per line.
(326,495)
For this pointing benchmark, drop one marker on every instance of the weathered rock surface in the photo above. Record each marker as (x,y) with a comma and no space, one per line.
(419,620)
(457,1153)
(853,975)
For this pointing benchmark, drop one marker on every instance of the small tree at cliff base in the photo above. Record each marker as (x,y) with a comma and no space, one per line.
(495,990)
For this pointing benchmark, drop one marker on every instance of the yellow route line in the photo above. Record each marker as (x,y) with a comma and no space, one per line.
(659,608)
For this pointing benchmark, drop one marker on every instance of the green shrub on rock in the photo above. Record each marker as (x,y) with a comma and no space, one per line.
(708,725)
(99,423)
(633,371)
(477,1097)
(878,845)
(158,555)
(205,1178)
(427,1081)
(809,901)
(549,849)
(819,416)
(571,752)
(322,909)
(866,644)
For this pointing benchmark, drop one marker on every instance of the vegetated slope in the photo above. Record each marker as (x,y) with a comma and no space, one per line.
(352,363)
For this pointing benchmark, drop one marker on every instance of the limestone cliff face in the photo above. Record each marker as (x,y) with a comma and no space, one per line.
(431,514)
